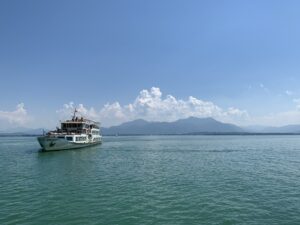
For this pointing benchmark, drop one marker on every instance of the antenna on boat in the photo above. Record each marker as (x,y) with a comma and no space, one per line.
(75,111)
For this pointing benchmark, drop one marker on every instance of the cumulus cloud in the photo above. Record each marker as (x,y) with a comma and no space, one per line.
(17,117)
(68,110)
(151,105)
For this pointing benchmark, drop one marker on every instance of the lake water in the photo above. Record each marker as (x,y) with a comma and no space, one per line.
(153,180)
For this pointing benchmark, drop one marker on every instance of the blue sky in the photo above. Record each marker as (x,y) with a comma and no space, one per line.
(241,55)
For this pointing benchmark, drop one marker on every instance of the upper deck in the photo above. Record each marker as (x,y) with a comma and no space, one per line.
(79,124)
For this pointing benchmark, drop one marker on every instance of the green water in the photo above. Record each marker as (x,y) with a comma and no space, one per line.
(153,180)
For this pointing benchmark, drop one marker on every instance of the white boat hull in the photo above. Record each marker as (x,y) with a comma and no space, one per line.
(55,144)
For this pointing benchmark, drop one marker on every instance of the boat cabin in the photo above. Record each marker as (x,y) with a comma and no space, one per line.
(78,126)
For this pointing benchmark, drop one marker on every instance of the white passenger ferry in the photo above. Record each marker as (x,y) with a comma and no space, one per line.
(74,133)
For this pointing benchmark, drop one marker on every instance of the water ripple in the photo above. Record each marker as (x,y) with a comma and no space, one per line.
(153,180)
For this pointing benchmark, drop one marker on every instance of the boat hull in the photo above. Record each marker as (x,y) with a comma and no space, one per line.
(55,144)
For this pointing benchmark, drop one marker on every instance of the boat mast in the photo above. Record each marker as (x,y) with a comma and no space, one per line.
(75,111)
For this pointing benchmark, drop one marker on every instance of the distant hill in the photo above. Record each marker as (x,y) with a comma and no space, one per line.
(265,129)
(283,129)
(20,131)
(183,126)
(191,125)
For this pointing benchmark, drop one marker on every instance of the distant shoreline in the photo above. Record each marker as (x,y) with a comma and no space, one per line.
(203,134)
(19,135)
(187,134)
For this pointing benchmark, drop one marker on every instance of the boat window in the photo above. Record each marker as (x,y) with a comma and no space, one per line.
(80,138)
(69,138)
(97,139)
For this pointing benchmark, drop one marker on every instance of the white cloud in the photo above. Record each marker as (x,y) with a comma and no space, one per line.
(264,88)
(297,101)
(68,110)
(289,93)
(279,119)
(152,106)
(17,117)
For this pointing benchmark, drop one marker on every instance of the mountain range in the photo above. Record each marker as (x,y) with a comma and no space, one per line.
(191,125)
(183,126)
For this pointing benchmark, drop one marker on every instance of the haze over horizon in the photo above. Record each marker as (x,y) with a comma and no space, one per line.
(234,61)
